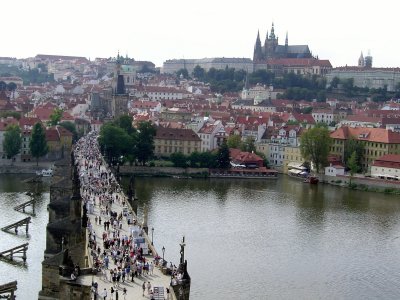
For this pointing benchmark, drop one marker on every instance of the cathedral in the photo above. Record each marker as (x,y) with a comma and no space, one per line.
(272,50)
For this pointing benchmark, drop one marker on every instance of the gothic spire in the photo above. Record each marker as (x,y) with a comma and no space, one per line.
(272,35)
(286,40)
(258,40)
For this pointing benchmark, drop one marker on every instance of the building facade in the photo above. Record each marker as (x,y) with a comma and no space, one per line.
(220,63)
(376,142)
(173,140)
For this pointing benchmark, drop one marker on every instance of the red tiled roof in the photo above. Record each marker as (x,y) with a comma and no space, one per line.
(299,62)
(52,135)
(63,131)
(5,122)
(176,134)
(360,118)
(304,118)
(379,135)
(388,161)
(26,121)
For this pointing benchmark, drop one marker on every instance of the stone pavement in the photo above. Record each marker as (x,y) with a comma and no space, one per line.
(134,289)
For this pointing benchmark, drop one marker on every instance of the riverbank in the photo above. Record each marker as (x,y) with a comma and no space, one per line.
(366,184)
(25,167)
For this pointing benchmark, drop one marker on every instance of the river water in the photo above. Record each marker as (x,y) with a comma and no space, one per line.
(249,239)
(13,192)
(283,239)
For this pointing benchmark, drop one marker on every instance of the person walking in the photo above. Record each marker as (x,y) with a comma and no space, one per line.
(124,293)
(148,287)
(104,294)
(143,287)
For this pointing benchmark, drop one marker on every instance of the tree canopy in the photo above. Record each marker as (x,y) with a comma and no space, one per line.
(114,142)
(314,146)
(55,117)
(353,165)
(38,144)
(145,142)
(71,128)
(223,159)
(234,141)
(352,145)
(12,141)
(178,159)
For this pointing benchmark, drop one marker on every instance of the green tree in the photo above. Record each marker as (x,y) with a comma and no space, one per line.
(223,159)
(114,142)
(55,117)
(178,159)
(125,122)
(194,159)
(13,114)
(183,72)
(248,145)
(353,165)
(3,86)
(199,73)
(71,128)
(314,146)
(145,142)
(335,81)
(207,160)
(12,141)
(38,144)
(234,141)
(11,86)
(353,145)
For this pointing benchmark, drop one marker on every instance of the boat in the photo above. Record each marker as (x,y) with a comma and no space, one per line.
(311,180)
(45,173)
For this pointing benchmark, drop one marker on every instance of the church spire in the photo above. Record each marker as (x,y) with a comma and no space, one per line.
(258,40)
(361,61)
(286,40)
(257,55)
(272,35)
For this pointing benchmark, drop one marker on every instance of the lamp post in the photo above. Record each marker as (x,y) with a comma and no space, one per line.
(152,232)
(163,251)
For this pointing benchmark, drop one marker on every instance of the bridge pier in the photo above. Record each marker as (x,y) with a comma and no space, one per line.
(15,225)
(7,290)
(21,207)
(9,254)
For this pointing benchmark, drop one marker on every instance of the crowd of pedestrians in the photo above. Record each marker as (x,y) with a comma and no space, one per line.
(117,255)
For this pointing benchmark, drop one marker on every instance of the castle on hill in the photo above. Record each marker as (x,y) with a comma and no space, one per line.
(272,50)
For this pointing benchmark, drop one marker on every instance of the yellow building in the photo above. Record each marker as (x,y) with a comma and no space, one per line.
(173,140)
(65,138)
(376,141)
(292,157)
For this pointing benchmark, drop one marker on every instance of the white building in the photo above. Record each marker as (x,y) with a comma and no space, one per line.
(220,63)
(334,170)
(158,92)
(386,167)
(207,135)
(368,77)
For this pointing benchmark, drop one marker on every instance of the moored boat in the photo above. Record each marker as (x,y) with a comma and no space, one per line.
(311,180)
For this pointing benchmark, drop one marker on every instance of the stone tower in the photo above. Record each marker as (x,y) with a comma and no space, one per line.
(361,61)
(120,99)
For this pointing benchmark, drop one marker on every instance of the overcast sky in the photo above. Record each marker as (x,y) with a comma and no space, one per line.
(157,30)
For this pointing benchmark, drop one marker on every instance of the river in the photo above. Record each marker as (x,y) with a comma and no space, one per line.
(13,192)
(249,239)
(283,239)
